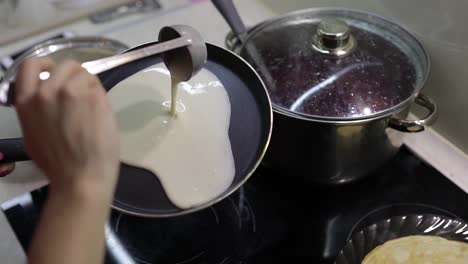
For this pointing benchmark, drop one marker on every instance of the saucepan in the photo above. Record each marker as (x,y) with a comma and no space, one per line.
(341,82)
(138,191)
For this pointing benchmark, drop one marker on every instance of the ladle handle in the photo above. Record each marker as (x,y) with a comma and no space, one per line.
(230,14)
(104,64)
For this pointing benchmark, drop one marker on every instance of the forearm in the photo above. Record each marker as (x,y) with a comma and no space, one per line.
(77,148)
(71,229)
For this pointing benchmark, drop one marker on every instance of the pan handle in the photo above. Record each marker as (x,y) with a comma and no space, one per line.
(12,150)
(416,125)
(230,14)
(7,93)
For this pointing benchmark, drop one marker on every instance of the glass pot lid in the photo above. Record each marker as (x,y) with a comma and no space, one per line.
(337,63)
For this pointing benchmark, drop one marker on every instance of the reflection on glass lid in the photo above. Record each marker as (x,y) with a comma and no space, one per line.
(360,67)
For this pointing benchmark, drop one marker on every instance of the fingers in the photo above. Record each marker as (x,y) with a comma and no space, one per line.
(66,76)
(28,77)
(61,75)
(81,82)
(6,169)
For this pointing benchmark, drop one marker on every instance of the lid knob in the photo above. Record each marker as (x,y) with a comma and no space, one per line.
(333,37)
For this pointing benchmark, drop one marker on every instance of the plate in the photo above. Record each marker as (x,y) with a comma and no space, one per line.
(363,242)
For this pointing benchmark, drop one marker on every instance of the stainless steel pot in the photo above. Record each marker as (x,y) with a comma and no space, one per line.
(337,152)
(340,126)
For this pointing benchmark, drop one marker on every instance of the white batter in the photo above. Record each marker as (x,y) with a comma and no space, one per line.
(190,152)
(174,87)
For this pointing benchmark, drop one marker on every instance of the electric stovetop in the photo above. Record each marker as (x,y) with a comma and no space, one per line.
(273,218)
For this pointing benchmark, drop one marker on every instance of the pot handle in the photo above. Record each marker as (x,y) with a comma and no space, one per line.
(412,126)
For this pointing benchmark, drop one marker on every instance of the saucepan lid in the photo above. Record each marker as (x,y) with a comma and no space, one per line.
(337,64)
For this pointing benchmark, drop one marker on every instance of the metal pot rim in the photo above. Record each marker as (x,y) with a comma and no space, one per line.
(345,121)
(335,121)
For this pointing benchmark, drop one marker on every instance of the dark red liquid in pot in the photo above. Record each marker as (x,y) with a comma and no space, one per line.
(373,78)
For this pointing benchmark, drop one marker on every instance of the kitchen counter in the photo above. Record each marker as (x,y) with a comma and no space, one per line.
(137,29)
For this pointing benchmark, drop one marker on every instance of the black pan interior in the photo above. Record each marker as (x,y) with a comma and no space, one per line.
(140,193)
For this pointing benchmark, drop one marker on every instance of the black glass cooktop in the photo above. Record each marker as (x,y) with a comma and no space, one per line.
(273,218)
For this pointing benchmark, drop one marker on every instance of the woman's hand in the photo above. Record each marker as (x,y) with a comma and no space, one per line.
(6,169)
(71,133)
(68,126)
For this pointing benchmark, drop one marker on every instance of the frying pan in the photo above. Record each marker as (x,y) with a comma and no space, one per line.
(138,192)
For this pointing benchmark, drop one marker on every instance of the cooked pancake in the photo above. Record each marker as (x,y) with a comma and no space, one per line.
(419,250)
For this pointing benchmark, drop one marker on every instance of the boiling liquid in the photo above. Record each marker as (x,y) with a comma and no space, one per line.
(190,152)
